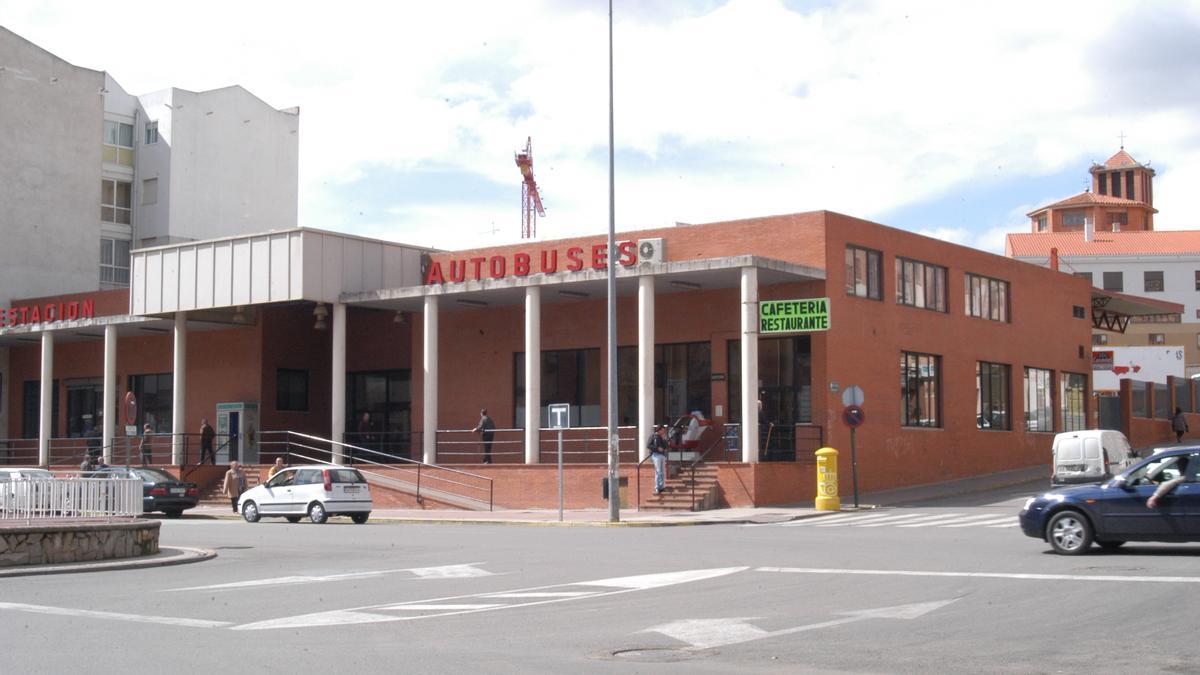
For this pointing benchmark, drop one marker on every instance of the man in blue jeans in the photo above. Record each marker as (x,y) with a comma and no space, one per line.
(658,455)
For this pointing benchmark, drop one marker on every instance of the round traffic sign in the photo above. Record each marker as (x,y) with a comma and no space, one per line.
(853,416)
(853,395)
(130,408)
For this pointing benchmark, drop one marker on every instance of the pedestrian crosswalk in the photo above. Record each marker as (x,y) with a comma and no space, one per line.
(909,519)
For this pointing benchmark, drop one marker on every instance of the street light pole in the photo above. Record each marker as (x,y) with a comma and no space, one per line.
(614,493)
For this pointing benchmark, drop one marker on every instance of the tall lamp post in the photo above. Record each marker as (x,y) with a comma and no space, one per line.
(614,494)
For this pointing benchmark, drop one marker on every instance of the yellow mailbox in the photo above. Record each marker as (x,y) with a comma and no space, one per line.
(827,481)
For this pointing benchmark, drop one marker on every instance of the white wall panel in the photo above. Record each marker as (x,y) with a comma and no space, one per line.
(331,267)
(241,272)
(222,274)
(280,269)
(205,260)
(137,284)
(352,265)
(260,270)
(372,265)
(187,278)
(296,272)
(170,280)
(154,283)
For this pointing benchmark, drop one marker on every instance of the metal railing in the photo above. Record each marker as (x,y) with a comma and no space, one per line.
(34,498)
(581,445)
(441,483)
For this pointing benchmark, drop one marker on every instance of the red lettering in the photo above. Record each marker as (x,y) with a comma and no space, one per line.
(24,315)
(12,316)
(521,264)
(478,263)
(88,309)
(497,266)
(552,266)
(574,255)
(458,270)
(72,310)
(35,315)
(628,253)
(48,313)
(599,256)
(434,274)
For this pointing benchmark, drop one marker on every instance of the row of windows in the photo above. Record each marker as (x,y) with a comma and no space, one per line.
(921,394)
(1101,339)
(1116,220)
(921,284)
(1152,280)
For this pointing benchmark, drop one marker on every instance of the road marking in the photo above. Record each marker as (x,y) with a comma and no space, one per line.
(909,519)
(1014,523)
(440,607)
(1007,519)
(947,519)
(807,522)
(709,633)
(547,594)
(371,614)
(875,519)
(982,575)
(91,614)
(463,571)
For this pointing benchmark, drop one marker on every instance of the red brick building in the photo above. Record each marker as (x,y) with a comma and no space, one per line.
(968,361)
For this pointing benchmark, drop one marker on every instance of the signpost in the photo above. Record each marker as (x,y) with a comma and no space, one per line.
(129,413)
(853,417)
(560,418)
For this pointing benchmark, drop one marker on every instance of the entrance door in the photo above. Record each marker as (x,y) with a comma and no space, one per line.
(85,401)
(785,376)
(1110,411)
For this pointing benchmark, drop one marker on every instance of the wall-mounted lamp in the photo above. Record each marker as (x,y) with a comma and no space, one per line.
(320,313)
(239,314)
(573,294)
(399,318)
(689,285)
(471,303)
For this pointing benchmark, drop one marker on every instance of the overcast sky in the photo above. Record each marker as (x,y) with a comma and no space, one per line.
(948,118)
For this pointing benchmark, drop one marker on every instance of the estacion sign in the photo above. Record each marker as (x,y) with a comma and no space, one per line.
(791,316)
(51,311)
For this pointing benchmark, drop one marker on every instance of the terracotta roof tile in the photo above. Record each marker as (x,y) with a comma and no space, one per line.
(1089,198)
(1120,160)
(1038,245)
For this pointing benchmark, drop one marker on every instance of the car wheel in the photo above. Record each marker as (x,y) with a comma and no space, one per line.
(250,512)
(1069,533)
(360,518)
(316,513)
(293,519)
(1110,545)
(173,513)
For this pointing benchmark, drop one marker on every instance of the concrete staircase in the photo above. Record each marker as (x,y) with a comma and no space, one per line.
(677,492)
(212,495)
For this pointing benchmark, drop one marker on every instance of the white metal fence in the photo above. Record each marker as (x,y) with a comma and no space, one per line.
(28,498)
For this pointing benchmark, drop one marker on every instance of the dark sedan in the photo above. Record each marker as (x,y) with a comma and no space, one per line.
(160,490)
(1116,511)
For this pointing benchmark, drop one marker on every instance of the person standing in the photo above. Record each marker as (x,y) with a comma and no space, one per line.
(235,483)
(146,446)
(206,442)
(1179,424)
(276,468)
(658,455)
(487,429)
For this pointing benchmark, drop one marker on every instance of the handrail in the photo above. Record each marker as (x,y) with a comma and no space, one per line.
(700,458)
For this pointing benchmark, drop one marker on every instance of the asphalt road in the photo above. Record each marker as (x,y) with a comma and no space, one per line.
(942,586)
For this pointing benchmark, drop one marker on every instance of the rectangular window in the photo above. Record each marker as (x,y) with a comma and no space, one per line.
(920,284)
(1116,220)
(1078,312)
(114,261)
(1197,273)
(1074,401)
(1153,282)
(116,201)
(1099,339)
(986,298)
(154,400)
(1041,223)
(991,396)
(149,191)
(379,412)
(920,390)
(291,390)
(1158,338)
(31,412)
(1129,184)
(1039,400)
(1085,275)
(1116,184)
(1074,218)
(1102,183)
(864,273)
(568,376)
(1114,281)
(151,133)
(118,143)
(682,381)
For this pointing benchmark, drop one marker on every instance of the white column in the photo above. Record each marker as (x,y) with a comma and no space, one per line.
(645,363)
(45,404)
(109,406)
(337,375)
(429,404)
(179,395)
(533,374)
(749,364)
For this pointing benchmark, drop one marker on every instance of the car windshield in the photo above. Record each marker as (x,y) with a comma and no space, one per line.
(155,475)
(1159,469)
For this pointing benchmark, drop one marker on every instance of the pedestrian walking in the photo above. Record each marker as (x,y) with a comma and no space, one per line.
(657,445)
(1179,424)
(206,442)
(146,446)
(487,430)
(235,483)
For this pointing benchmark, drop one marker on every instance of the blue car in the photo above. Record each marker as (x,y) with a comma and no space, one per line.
(1116,511)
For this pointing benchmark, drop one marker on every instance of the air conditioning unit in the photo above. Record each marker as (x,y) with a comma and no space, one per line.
(651,251)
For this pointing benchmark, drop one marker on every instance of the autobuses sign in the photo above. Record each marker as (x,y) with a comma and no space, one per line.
(793,316)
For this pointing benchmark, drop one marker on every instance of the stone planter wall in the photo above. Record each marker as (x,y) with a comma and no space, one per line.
(76,541)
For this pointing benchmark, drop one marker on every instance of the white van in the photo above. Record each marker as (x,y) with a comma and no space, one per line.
(1089,456)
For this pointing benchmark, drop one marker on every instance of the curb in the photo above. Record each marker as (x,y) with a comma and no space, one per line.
(181,555)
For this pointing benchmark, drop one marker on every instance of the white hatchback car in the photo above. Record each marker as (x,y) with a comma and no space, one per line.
(315,491)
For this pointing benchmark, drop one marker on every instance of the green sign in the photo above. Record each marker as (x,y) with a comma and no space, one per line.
(791,316)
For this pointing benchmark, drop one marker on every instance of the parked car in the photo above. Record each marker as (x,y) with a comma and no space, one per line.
(315,491)
(161,491)
(1089,456)
(1111,513)
(9,475)
(16,473)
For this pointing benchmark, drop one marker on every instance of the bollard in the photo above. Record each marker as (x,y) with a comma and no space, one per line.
(827,482)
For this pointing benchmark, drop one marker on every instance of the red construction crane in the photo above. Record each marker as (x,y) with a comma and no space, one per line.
(531,199)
